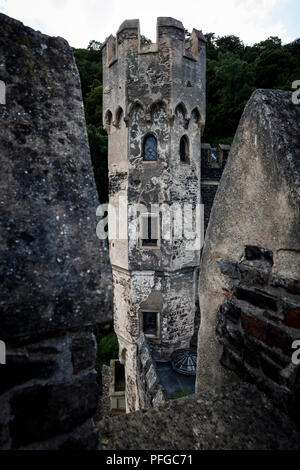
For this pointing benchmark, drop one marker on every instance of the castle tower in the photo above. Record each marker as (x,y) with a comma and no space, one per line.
(154,113)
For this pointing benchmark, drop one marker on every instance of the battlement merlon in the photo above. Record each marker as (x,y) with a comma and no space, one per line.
(170,70)
(168,30)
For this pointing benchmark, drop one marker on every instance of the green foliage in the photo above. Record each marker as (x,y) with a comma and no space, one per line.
(274,68)
(230,82)
(180,394)
(93,106)
(234,71)
(108,349)
(89,63)
(98,149)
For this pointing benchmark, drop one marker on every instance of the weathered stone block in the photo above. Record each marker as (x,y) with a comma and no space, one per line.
(291,285)
(292,317)
(258,253)
(52,264)
(257,299)
(158,399)
(251,275)
(255,327)
(145,356)
(151,377)
(40,412)
(291,375)
(231,311)
(83,349)
(236,417)
(228,269)
(20,369)
(233,362)
(271,369)
(49,249)
(268,333)
(260,181)
(279,338)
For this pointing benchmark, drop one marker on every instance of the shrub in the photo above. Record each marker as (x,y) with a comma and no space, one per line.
(180,394)
(108,348)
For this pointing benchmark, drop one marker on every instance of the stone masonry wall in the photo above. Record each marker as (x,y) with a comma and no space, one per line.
(238,417)
(52,287)
(149,387)
(257,325)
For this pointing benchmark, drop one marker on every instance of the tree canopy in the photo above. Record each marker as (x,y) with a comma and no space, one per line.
(235,70)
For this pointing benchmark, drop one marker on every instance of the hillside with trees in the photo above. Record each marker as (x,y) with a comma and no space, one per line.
(234,71)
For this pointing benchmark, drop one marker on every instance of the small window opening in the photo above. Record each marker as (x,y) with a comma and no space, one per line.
(184,149)
(150,148)
(150,323)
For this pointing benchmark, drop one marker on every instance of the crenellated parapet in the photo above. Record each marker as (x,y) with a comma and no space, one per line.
(170,71)
(168,31)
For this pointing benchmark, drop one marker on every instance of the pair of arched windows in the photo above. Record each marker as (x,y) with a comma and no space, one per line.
(150,149)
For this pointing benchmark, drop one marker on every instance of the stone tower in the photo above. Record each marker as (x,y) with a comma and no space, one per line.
(154,113)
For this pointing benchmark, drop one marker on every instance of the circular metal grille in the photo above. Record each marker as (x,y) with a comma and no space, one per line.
(184,361)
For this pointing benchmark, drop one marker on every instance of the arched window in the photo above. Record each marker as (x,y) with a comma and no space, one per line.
(119,116)
(196,115)
(150,148)
(181,110)
(108,117)
(184,149)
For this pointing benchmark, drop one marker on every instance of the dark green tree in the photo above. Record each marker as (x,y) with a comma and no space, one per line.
(230,82)
(274,68)
(231,44)
(89,63)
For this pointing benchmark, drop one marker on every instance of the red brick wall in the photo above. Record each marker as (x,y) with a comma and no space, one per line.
(257,326)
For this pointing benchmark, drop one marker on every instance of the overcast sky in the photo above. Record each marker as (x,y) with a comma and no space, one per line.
(78,21)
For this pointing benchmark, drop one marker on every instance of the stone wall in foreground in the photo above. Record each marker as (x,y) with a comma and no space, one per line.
(149,387)
(238,417)
(250,267)
(258,324)
(213,161)
(53,291)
